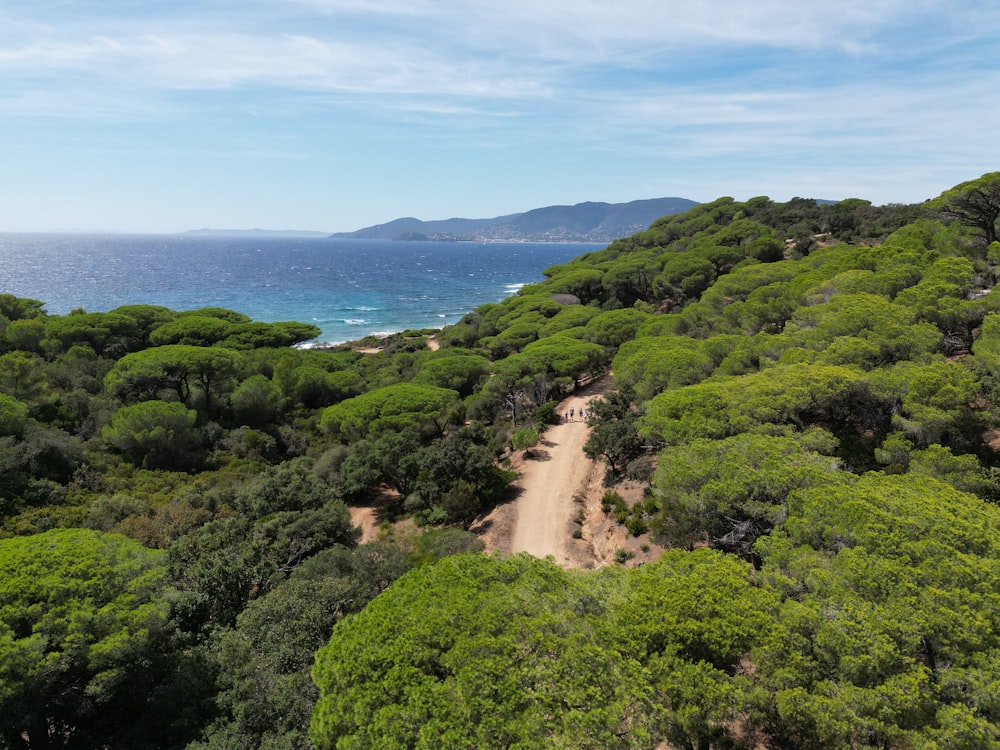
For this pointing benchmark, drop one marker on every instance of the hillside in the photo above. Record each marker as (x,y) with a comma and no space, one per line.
(584,222)
(804,414)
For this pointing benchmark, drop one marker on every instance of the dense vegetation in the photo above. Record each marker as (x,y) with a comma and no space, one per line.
(809,393)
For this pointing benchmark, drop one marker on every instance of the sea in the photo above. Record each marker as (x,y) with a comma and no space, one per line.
(348,288)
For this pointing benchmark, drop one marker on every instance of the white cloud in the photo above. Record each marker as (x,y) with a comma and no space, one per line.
(520,49)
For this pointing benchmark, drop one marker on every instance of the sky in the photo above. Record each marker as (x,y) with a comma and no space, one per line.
(333,115)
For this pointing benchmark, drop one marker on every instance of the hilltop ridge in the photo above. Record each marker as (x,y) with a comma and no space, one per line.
(584,222)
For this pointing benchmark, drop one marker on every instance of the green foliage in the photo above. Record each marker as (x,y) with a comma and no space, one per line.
(265,693)
(13,416)
(613,328)
(105,333)
(893,582)
(614,432)
(180,369)
(564,357)
(975,204)
(230,316)
(790,396)
(256,401)
(690,619)
(458,476)
(478,652)
(391,458)
(458,372)
(524,438)
(730,492)
(192,330)
(647,366)
(21,376)
(259,335)
(20,308)
(934,401)
(154,434)
(82,625)
(393,408)
(223,565)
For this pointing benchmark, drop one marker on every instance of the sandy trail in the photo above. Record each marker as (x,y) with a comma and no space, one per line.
(556,483)
(551,484)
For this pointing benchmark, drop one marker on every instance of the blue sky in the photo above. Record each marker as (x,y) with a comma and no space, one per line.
(161,116)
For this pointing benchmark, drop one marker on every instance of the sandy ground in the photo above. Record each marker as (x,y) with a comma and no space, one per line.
(558,492)
(365,516)
(555,482)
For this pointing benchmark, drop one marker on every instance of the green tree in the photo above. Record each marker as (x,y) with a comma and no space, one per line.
(154,434)
(690,619)
(223,565)
(459,372)
(20,308)
(26,334)
(265,693)
(649,365)
(392,408)
(83,623)
(684,275)
(613,328)
(730,492)
(191,330)
(477,652)
(271,335)
(613,435)
(458,475)
(256,401)
(890,613)
(22,376)
(13,416)
(185,370)
(147,318)
(106,333)
(565,357)
(392,458)
(976,204)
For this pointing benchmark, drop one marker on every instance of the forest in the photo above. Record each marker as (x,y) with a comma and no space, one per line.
(808,393)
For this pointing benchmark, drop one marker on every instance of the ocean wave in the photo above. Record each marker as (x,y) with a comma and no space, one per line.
(354,321)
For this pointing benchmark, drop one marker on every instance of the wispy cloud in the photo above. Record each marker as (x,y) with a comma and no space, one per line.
(454,47)
(692,90)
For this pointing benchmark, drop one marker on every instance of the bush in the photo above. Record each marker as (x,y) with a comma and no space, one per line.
(636,525)
(641,469)
(612,501)
(546,414)
(525,438)
(623,555)
(154,434)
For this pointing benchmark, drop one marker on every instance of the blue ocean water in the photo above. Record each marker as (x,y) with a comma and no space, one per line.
(348,288)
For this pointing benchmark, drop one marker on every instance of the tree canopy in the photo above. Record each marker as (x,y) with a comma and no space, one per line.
(82,618)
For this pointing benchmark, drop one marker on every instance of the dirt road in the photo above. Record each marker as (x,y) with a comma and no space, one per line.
(557,485)
(553,484)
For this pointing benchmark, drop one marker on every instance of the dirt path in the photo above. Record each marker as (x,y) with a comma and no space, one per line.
(555,482)
(559,492)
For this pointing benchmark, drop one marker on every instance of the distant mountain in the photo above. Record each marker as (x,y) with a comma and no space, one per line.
(584,222)
(255,233)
